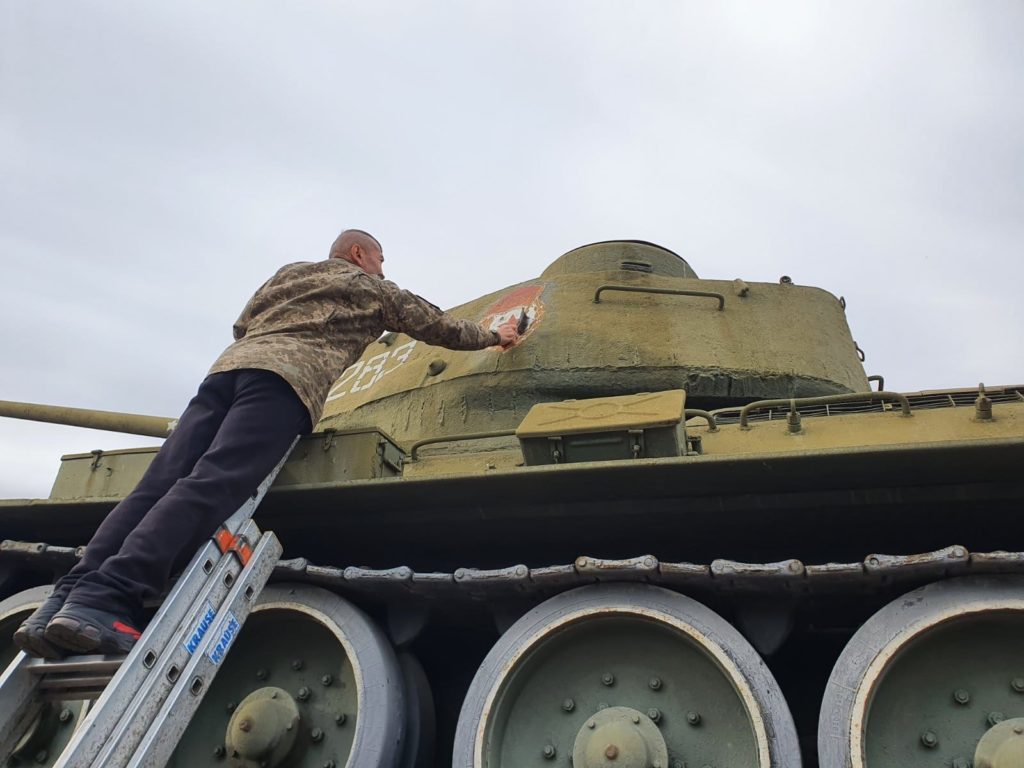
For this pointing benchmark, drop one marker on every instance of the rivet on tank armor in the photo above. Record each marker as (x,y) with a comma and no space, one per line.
(693,718)
(996,717)
(929,739)
(303,694)
(1017,684)
(961,696)
(549,752)
(655,714)
(297,664)
(654,683)
(568,705)
(608,678)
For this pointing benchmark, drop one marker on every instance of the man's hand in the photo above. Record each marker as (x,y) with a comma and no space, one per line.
(507,334)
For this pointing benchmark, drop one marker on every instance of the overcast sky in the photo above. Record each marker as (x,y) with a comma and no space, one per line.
(159,160)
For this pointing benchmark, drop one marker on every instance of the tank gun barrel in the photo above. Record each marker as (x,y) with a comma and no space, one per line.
(111,421)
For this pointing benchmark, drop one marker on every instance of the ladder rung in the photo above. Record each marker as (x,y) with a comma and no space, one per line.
(70,683)
(91,663)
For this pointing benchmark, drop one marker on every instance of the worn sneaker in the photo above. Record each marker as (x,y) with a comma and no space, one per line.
(81,629)
(29,636)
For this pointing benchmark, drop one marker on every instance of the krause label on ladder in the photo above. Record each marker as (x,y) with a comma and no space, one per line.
(200,629)
(224,638)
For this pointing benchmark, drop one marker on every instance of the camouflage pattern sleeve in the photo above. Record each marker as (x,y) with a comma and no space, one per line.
(413,315)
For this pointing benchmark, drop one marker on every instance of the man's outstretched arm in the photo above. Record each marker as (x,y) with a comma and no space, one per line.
(413,315)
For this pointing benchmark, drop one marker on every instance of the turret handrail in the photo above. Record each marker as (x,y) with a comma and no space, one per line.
(797,402)
(665,291)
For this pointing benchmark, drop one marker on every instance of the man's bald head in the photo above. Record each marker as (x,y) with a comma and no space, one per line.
(360,248)
(343,243)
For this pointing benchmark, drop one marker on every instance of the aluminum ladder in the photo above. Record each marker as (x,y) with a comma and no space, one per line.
(145,700)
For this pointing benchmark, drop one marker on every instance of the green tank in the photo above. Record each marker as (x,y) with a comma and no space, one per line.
(675,525)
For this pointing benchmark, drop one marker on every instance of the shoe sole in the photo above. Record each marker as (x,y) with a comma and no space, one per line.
(84,637)
(32,642)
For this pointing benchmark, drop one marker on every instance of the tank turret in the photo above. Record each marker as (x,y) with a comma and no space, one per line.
(611,318)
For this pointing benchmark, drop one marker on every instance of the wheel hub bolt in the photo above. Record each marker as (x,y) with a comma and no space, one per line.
(326,680)
(655,714)
(549,752)
(316,735)
(340,719)
(296,664)
(693,718)
(1017,684)
(303,694)
(219,751)
(929,739)
(568,705)
(245,725)
(608,678)
(655,683)
(961,696)
(995,717)
(261,674)
(611,751)
(65,715)
(590,724)
(635,719)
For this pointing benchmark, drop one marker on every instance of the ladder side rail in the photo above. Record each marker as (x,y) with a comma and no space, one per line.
(235,522)
(158,743)
(19,703)
(158,683)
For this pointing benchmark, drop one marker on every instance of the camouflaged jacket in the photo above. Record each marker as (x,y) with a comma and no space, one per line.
(312,320)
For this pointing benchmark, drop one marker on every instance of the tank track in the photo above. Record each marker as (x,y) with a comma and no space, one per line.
(786,577)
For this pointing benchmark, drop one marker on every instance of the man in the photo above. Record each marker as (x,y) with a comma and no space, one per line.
(294,338)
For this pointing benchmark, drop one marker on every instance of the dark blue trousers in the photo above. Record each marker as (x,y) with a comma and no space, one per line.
(233,432)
